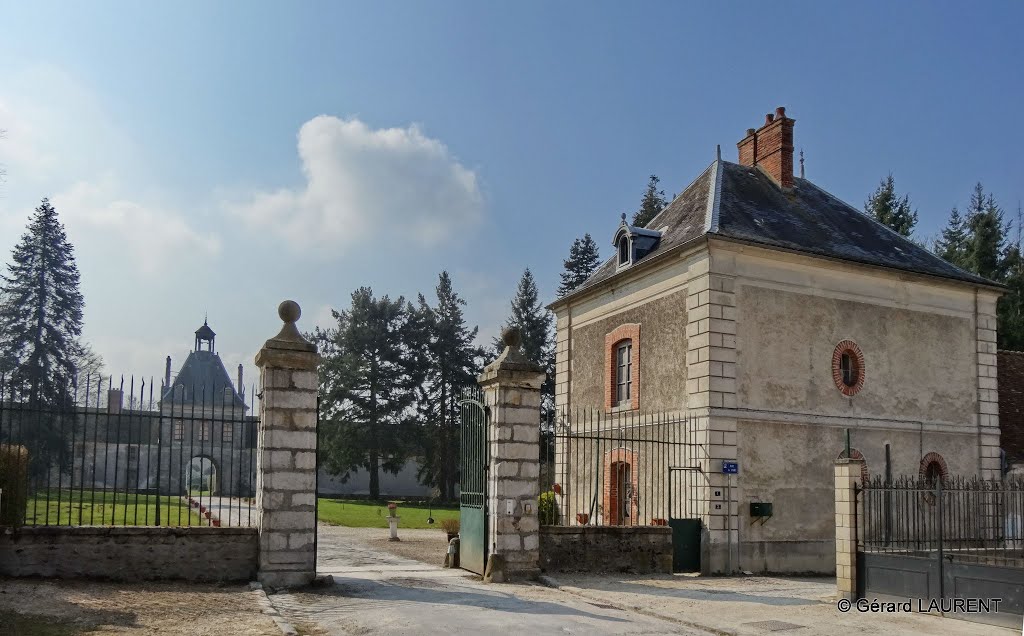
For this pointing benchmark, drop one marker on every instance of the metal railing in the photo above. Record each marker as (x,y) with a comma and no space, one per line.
(622,469)
(126,453)
(958,518)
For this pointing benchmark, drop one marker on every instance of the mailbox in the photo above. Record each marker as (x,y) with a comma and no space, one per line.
(760,509)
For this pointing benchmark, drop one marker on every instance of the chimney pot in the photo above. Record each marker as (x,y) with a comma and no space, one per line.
(780,112)
(751,131)
(769,118)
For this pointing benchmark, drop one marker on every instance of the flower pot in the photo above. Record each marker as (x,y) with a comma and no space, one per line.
(452,536)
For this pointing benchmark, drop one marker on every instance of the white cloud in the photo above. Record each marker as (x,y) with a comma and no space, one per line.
(148,237)
(361,182)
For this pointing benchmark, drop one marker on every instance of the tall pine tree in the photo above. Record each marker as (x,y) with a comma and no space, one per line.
(452,362)
(889,209)
(652,202)
(41,311)
(371,367)
(977,242)
(986,245)
(535,323)
(40,325)
(952,243)
(583,260)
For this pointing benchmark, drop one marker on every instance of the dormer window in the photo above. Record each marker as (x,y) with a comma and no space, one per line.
(633,243)
(624,258)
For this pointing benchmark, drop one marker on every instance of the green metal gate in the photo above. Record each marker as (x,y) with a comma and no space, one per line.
(473,482)
(684,517)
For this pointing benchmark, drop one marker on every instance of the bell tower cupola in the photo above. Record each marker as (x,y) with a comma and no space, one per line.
(205,335)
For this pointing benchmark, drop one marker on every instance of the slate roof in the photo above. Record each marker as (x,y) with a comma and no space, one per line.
(203,369)
(742,203)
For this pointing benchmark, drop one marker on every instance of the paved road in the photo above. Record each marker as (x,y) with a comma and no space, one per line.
(376,592)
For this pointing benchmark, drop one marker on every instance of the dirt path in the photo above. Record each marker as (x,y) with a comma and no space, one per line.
(48,607)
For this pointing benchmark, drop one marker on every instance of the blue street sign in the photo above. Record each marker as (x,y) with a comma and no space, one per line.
(730,468)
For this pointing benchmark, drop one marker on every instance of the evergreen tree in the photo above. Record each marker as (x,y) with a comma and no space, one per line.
(1010,308)
(891,210)
(652,202)
(40,323)
(986,245)
(535,323)
(952,243)
(41,310)
(583,260)
(369,374)
(452,362)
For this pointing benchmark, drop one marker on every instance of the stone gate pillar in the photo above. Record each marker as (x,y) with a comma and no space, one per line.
(847,474)
(286,455)
(511,387)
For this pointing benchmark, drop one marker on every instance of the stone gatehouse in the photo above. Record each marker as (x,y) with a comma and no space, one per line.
(781,316)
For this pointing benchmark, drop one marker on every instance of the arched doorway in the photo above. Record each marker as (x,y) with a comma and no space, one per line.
(620,481)
(201,476)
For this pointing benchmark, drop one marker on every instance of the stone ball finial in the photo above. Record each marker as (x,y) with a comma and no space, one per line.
(512,337)
(289,311)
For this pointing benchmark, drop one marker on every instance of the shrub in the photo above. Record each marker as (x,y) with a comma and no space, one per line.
(451,526)
(547,509)
(13,483)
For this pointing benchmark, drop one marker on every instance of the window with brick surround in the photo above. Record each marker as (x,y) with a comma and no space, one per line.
(622,368)
(933,469)
(179,430)
(848,368)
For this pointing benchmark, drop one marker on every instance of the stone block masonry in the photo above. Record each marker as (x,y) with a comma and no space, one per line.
(847,474)
(511,387)
(632,549)
(285,456)
(130,554)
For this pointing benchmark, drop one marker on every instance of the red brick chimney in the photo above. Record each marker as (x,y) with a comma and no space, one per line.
(771,147)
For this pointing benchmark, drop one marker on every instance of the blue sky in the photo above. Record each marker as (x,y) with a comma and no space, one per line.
(222,158)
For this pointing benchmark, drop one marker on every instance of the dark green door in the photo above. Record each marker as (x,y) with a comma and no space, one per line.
(685,545)
(683,489)
(473,482)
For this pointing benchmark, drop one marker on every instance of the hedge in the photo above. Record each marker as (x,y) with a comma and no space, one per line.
(13,484)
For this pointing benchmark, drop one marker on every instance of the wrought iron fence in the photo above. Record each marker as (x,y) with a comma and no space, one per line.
(621,469)
(123,453)
(959,519)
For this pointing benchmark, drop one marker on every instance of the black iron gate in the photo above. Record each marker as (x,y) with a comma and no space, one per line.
(944,541)
(473,482)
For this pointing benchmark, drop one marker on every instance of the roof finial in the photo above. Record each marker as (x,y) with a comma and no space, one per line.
(801,163)
(623,217)
(718,152)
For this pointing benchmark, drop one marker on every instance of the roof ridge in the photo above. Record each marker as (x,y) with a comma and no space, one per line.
(714,207)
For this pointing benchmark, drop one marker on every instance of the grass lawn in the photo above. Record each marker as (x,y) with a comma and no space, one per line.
(359,513)
(99,508)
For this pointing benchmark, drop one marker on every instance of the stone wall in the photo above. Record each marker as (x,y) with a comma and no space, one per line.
(639,549)
(130,554)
